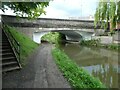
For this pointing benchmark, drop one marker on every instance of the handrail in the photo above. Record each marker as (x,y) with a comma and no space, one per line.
(14,44)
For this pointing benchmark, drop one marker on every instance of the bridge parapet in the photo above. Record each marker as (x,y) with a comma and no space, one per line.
(48,22)
(66,29)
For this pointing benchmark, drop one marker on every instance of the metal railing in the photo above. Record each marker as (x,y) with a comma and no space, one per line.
(14,44)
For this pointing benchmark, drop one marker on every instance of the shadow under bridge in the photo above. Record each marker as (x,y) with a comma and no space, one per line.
(71,35)
(76,35)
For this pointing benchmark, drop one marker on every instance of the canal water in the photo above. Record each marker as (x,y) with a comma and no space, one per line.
(99,62)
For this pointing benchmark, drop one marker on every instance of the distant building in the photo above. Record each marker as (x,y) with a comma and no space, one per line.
(90,17)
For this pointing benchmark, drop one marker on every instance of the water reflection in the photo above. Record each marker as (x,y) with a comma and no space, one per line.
(101,63)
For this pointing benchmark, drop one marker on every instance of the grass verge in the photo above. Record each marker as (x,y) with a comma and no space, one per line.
(26,44)
(78,77)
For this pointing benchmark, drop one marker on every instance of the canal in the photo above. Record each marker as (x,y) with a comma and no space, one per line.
(99,62)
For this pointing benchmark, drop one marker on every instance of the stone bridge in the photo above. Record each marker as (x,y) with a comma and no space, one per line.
(35,29)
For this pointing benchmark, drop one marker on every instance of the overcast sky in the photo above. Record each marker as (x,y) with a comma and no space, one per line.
(71,8)
(68,8)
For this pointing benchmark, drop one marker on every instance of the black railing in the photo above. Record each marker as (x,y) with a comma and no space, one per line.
(14,43)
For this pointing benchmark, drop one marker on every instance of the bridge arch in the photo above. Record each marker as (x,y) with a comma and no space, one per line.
(71,35)
(38,35)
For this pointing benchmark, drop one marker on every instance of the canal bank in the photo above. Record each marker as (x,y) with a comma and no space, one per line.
(99,62)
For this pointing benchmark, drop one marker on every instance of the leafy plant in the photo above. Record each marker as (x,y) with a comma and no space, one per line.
(28,9)
(52,37)
(90,42)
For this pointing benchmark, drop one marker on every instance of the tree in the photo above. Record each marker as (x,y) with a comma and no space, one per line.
(108,12)
(29,9)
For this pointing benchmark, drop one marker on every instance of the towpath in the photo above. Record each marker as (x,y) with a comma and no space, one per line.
(40,72)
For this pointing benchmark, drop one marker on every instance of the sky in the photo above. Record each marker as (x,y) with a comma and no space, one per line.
(67,9)
(71,8)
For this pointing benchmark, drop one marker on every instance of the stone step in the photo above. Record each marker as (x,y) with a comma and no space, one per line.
(5,47)
(6,54)
(10,68)
(6,41)
(4,38)
(4,44)
(8,58)
(9,63)
(5,50)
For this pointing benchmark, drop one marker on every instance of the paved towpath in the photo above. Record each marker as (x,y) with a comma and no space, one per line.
(40,72)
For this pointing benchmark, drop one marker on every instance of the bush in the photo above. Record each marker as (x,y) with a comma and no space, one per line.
(97,43)
(90,42)
(52,37)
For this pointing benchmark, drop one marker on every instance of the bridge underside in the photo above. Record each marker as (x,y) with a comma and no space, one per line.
(69,34)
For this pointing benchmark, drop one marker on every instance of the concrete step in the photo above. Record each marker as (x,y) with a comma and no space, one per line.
(4,38)
(4,43)
(7,44)
(10,68)
(7,58)
(9,63)
(5,50)
(5,47)
(7,54)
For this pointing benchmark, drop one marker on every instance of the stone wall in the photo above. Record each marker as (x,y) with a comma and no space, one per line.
(104,39)
(116,37)
(28,31)
(48,22)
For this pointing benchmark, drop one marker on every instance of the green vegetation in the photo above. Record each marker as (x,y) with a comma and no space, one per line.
(52,37)
(78,77)
(29,9)
(97,43)
(108,11)
(115,47)
(26,44)
(90,42)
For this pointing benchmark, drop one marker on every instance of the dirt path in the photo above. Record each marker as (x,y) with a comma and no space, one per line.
(40,72)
